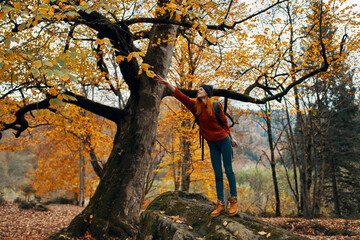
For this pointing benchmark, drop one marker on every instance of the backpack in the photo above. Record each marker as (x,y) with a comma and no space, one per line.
(217,115)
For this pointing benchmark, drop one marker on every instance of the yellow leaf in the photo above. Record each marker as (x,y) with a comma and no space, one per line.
(150,74)
(145,66)
(213,39)
(51,12)
(107,41)
(225,223)
(62,97)
(55,102)
(130,56)
(72,98)
(35,72)
(219,21)
(262,233)
(268,235)
(141,54)
(34,92)
(17,5)
(119,59)
(37,64)
(177,17)
(53,91)
(48,64)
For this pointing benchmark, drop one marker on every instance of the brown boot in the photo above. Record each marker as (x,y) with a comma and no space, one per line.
(219,208)
(233,206)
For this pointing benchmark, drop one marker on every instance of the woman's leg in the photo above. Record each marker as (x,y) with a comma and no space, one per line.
(226,149)
(215,155)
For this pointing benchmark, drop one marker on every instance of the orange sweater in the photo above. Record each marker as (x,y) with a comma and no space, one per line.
(209,126)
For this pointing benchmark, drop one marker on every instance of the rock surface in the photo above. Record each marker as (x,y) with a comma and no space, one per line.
(180,216)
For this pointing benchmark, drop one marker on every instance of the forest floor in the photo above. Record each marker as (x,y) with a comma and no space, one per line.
(19,224)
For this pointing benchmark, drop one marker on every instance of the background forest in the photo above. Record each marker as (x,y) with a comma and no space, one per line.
(63,167)
(82,119)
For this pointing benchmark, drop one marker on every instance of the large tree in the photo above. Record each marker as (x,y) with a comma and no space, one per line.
(52,49)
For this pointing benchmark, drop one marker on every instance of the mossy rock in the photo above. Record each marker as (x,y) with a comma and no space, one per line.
(179,215)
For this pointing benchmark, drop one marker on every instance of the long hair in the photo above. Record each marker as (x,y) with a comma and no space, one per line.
(209,106)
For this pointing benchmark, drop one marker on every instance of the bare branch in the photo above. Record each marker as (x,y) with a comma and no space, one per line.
(225,27)
(189,24)
(227,12)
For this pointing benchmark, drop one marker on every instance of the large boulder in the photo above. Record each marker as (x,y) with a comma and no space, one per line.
(180,216)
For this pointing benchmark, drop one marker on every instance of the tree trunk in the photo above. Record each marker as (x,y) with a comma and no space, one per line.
(319,175)
(272,160)
(334,188)
(304,146)
(186,160)
(81,177)
(114,209)
(175,169)
(294,161)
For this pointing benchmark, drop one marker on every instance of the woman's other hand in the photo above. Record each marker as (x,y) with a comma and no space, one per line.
(233,142)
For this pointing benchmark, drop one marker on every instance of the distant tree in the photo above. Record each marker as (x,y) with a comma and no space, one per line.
(28,191)
(13,168)
(273,140)
(344,147)
(313,108)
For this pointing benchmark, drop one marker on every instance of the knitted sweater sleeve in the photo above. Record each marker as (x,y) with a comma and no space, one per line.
(189,104)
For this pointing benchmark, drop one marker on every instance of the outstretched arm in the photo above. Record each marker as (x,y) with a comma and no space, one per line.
(163,81)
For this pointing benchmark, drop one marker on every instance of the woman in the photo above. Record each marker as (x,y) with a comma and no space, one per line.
(218,138)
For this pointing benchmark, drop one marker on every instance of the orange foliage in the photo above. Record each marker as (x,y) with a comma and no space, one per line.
(58,146)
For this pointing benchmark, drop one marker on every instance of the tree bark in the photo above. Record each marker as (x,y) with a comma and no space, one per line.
(334,188)
(304,158)
(81,177)
(294,160)
(186,160)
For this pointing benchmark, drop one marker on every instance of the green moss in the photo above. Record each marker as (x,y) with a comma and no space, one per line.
(195,210)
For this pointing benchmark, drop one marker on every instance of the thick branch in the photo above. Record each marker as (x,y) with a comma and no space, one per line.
(122,40)
(21,124)
(246,98)
(110,113)
(218,92)
(95,163)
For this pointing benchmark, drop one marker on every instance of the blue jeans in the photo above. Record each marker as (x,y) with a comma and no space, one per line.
(217,148)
